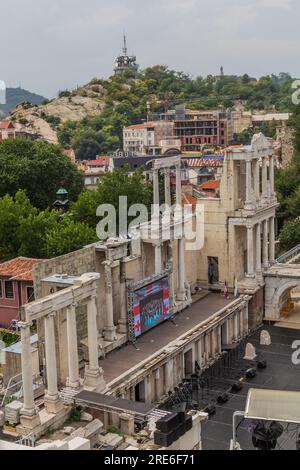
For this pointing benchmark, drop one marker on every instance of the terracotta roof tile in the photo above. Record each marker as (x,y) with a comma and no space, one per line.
(19,269)
(6,125)
(209,185)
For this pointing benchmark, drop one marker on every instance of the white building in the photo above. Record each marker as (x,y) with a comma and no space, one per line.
(153,138)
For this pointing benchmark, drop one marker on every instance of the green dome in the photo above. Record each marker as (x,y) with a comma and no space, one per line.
(62,192)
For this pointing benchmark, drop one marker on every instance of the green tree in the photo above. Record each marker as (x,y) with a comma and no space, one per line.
(68,236)
(115,184)
(290,234)
(26,231)
(38,168)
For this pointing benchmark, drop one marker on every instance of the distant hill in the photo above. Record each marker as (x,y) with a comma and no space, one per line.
(90,119)
(15,96)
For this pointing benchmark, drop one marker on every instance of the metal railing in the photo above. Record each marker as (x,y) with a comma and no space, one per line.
(28,441)
(289,255)
(14,389)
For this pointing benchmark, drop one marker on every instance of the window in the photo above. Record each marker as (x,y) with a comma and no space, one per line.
(1,290)
(30,294)
(9,290)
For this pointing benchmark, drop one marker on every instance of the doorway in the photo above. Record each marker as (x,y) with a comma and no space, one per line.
(140,392)
(188,363)
(213,270)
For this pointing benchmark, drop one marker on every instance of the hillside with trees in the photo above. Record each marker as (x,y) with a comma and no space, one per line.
(90,119)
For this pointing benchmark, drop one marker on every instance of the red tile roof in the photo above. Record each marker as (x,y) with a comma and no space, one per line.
(103,161)
(144,125)
(6,125)
(19,269)
(188,199)
(209,185)
(136,126)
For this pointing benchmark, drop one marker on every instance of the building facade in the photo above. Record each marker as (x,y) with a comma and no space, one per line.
(150,138)
(198,129)
(7,130)
(16,289)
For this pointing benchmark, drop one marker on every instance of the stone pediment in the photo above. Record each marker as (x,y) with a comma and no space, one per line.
(261,144)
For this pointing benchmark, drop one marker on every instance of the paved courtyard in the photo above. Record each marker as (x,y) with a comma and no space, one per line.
(280,374)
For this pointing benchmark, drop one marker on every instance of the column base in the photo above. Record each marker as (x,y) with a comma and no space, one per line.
(110,334)
(30,422)
(123,327)
(53,406)
(94,380)
(181,296)
(75,385)
(250,276)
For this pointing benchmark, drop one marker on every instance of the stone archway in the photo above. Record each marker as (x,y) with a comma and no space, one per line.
(276,288)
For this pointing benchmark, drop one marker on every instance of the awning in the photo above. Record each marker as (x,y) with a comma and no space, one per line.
(273,405)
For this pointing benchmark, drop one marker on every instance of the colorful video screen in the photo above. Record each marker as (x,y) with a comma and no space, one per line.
(151,306)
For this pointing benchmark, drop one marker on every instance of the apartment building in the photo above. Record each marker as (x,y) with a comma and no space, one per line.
(197,129)
(150,138)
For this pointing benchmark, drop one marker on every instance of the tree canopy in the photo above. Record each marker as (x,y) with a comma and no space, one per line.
(27,231)
(115,184)
(38,168)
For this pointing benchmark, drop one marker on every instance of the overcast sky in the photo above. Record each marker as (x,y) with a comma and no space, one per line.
(50,45)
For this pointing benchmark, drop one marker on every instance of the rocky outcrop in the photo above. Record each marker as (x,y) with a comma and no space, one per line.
(44,121)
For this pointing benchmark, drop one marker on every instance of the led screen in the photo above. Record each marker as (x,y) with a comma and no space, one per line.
(151,306)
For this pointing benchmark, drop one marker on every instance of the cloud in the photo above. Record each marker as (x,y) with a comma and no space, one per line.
(56,44)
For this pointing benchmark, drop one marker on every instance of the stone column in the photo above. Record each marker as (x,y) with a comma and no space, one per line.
(73,380)
(207,346)
(148,390)
(246,319)
(169,381)
(156,187)
(241,318)
(123,322)
(29,417)
(250,257)
(93,374)
(168,199)
(170,268)
(271,171)
(181,294)
(200,351)
(265,244)
(264,178)
(158,258)
(258,248)
(257,180)
(272,240)
(110,329)
(52,402)
(178,185)
(159,384)
(225,333)
(219,339)
(235,327)
(215,347)
(249,199)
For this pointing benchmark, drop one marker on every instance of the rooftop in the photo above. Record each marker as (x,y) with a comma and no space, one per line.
(210,185)
(102,161)
(6,125)
(19,269)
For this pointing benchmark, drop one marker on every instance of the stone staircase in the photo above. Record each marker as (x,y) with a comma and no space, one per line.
(68,394)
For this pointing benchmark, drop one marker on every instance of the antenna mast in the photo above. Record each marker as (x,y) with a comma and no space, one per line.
(125,45)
